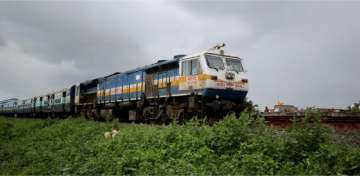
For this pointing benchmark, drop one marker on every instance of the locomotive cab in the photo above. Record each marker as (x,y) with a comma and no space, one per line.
(215,75)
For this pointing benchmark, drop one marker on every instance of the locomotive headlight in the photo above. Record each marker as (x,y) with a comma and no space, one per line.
(229,75)
(213,78)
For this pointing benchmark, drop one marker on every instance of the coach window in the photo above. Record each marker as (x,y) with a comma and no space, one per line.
(195,67)
(191,67)
(186,68)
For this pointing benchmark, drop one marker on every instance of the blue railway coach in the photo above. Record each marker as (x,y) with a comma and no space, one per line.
(8,106)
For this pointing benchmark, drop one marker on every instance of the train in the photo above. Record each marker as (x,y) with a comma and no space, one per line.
(207,84)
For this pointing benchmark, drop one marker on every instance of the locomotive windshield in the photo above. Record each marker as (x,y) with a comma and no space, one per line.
(215,62)
(234,65)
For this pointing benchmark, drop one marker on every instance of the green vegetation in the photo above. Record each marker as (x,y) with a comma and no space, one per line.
(356,107)
(241,145)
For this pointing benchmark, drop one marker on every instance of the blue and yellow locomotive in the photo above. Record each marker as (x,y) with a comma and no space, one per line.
(209,83)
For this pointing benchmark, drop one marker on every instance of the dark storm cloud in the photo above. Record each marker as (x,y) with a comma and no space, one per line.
(305,53)
(2,42)
(51,45)
(56,44)
(56,32)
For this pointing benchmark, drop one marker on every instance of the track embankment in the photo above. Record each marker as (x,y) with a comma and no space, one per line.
(341,121)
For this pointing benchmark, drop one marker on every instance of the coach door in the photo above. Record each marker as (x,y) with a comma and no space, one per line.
(151,86)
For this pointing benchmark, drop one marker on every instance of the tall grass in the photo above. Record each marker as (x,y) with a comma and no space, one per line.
(235,145)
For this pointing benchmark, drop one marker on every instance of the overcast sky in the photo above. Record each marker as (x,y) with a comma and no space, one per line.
(303,53)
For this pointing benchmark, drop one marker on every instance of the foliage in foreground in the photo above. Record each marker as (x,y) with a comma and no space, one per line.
(233,146)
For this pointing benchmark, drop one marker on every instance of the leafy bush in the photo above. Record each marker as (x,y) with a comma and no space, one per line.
(235,145)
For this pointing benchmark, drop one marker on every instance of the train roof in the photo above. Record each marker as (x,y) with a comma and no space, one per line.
(8,100)
(144,68)
(160,63)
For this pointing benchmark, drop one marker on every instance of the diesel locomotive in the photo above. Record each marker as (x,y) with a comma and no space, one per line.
(206,84)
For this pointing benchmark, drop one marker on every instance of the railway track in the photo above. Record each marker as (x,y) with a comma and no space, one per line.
(340,121)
